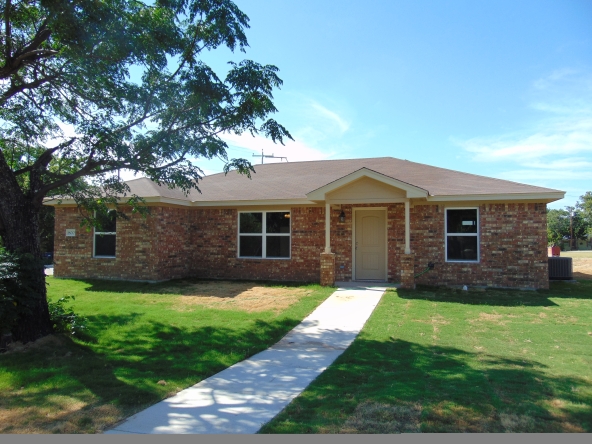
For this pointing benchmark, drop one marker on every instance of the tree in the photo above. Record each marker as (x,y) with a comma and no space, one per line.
(584,206)
(569,223)
(72,115)
(557,226)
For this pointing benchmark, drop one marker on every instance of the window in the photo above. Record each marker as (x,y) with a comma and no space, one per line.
(264,234)
(462,235)
(105,235)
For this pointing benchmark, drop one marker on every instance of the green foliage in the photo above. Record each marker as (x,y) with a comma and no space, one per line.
(584,206)
(68,65)
(557,226)
(17,296)
(63,318)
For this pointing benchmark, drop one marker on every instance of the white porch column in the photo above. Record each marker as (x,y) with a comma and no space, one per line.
(407,229)
(327,227)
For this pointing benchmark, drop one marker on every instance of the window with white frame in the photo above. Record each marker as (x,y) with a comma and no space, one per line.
(462,235)
(264,234)
(105,236)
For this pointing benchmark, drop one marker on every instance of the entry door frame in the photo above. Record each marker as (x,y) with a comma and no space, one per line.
(353,246)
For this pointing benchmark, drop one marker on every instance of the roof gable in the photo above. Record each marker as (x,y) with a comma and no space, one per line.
(400,189)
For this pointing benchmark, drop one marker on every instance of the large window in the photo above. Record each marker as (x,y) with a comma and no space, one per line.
(105,236)
(462,235)
(264,234)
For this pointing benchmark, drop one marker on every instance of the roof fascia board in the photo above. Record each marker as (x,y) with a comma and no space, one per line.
(411,190)
(154,199)
(245,203)
(367,201)
(218,203)
(549,197)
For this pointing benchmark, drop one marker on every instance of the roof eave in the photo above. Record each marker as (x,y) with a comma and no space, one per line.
(545,197)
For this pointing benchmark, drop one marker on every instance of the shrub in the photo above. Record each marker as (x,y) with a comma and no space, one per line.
(63,318)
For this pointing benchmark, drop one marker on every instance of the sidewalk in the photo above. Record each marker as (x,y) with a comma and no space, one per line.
(243,397)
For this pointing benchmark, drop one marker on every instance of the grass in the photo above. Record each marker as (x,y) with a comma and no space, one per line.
(144,342)
(442,360)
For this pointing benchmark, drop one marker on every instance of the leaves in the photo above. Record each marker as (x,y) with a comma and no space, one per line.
(92,87)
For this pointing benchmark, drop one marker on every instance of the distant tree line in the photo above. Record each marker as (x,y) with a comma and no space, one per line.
(571,223)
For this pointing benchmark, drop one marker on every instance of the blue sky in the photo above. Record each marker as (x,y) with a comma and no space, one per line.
(502,89)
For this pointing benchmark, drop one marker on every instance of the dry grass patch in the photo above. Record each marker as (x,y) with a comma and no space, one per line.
(235,296)
(374,417)
(513,423)
(66,415)
(489,317)
(45,342)
(582,268)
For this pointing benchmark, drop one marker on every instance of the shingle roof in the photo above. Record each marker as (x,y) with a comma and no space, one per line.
(295,179)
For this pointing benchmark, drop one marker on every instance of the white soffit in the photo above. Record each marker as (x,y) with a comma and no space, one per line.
(411,190)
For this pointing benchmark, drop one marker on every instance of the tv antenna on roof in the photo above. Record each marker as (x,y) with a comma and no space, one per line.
(268,156)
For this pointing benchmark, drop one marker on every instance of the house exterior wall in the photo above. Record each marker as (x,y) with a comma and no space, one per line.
(135,249)
(513,247)
(215,252)
(178,242)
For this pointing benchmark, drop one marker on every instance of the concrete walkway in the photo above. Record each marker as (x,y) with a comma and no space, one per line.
(243,397)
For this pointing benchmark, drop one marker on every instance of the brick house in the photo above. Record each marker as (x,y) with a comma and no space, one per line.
(377,219)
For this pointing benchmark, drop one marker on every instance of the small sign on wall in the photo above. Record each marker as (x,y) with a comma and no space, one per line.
(70,232)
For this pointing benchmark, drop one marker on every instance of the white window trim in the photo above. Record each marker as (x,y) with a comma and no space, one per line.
(264,235)
(95,232)
(446,234)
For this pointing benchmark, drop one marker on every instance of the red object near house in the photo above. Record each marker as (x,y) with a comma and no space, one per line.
(554,251)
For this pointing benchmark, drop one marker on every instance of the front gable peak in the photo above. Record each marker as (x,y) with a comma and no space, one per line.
(366,184)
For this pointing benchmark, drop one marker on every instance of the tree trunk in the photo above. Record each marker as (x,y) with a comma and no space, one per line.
(19,228)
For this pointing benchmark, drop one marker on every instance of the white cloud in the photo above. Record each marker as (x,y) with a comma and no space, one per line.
(548,176)
(550,141)
(556,150)
(331,116)
(294,151)
(551,79)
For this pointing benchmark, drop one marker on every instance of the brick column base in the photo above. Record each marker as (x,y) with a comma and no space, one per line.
(327,269)
(408,271)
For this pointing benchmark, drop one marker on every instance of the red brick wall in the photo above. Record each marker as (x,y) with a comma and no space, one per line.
(179,242)
(215,253)
(513,247)
(135,249)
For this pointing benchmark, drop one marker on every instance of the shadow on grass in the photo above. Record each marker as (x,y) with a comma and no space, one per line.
(502,297)
(122,371)
(493,297)
(117,286)
(450,389)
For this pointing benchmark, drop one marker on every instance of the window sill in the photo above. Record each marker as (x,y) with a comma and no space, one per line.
(104,257)
(264,258)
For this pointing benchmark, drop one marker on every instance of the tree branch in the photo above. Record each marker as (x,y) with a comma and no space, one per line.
(45,158)
(15,89)
(41,36)
(8,31)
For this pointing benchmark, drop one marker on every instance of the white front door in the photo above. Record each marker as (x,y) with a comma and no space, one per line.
(370,245)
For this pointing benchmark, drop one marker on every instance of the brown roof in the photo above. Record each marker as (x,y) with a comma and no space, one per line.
(295,179)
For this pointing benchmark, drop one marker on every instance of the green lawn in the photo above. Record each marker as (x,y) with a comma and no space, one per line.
(144,342)
(441,360)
